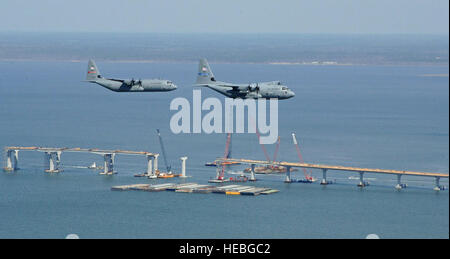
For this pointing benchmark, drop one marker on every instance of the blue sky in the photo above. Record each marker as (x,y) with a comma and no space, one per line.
(227,16)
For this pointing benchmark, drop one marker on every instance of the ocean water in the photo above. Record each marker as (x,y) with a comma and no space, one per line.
(367,116)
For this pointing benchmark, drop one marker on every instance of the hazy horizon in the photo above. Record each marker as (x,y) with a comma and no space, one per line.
(230,33)
(251,16)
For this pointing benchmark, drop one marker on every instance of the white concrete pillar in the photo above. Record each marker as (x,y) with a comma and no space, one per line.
(183,166)
(149,165)
(16,159)
(109,163)
(288,174)
(105,165)
(324,177)
(9,160)
(58,159)
(51,161)
(399,182)
(155,162)
(252,173)
(437,187)
(153,169)
(217,171)
(361,179)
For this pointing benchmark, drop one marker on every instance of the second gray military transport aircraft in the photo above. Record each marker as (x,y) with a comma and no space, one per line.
(274,89)
(121,85)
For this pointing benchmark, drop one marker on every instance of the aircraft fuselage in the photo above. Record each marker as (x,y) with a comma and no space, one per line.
(146,85)
(265,90)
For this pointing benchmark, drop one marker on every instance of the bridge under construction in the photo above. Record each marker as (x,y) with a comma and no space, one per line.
(325,168)
(53,158)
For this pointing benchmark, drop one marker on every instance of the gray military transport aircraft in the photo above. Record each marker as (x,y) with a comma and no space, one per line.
(274,89)
(127,85)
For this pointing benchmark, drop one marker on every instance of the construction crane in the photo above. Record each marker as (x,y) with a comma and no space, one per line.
(276,149)
(308,176)
(262,146)
(226,155)
(168,167)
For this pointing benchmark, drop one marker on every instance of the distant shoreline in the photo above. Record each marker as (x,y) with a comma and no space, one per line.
(276,63)
(434,75)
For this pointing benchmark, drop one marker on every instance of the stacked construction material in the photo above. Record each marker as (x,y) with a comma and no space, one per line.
(233,189)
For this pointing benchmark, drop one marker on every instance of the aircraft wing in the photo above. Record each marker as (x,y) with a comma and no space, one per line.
(117,80)
(233,87)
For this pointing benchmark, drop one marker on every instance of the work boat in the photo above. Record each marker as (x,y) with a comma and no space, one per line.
(94,166)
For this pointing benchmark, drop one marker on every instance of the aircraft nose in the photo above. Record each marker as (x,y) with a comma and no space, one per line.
(291,94)
(173,86)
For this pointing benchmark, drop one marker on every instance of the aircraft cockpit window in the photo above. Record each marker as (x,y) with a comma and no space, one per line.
(284,88)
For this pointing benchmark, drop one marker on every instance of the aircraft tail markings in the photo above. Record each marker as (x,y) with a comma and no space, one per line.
(92,72)
(204,75)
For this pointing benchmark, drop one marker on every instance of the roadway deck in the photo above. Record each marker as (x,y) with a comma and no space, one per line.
(77,149)
(333,167)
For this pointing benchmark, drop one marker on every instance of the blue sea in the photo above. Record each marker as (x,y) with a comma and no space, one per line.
(375,116)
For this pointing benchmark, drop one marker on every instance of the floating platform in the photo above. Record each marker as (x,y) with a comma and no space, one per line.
(269,170)
(218,180)
(232,189)
(129,187)
(108,173)
(158,175)
(363,184)
(238,179)
(53,171)
(214,164)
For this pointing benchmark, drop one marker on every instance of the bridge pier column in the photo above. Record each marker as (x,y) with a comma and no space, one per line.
(183,166)
(16,160)
(52,158)
(252,173)
(437,187)
(9,161)
(150,168)
(361,180)
(155,162)
(218,168)
(109,164)
(51,166)
(324,177)
(288,175)
(58,160)
(399,182)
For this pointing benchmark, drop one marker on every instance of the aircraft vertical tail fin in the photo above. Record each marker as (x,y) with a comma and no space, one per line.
(92,72)
(205,75)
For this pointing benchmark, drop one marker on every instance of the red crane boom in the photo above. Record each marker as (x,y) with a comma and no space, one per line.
(300,157)
(225,156)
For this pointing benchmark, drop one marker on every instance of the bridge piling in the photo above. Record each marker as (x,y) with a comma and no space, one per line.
(183,166)
(324,177)
(361,180)
(437,187)
(288,175)
(9,162)
(399,182)
(16,160)
(252,173)
(109,164)
(155,162)
(53,159)
(150,168)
